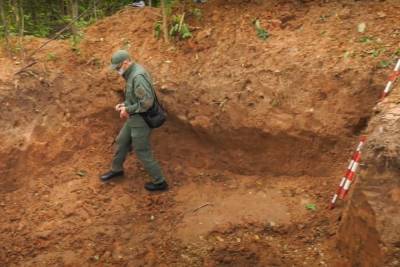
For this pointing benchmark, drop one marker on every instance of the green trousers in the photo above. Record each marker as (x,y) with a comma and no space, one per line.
(137,137)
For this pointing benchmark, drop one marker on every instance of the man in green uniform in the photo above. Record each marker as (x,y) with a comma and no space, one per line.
(139,97)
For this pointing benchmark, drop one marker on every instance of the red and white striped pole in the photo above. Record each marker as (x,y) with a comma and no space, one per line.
(350,173)
(392,79)
(350,177)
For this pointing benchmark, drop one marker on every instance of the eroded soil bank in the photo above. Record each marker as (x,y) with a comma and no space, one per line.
(257,131)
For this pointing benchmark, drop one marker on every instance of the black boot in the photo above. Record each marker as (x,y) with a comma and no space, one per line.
(156,187)
(111,174)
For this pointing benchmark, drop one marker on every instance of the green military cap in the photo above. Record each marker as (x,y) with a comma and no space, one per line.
(119,57)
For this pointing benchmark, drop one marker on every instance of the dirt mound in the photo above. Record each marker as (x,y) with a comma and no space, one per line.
(257,130)
(251,83)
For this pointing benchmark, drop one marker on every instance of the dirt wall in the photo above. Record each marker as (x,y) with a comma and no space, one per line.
(370,232)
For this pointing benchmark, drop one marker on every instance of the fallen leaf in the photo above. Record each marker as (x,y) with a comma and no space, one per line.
(311,207)
(81,173)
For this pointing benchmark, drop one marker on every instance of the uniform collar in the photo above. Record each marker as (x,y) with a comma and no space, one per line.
(128,71)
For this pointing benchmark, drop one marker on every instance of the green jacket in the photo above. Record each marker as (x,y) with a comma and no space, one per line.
(139,93)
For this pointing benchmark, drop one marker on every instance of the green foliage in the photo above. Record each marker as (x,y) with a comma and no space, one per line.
(366,39)
(51,57)
(74,42)
(185,31)
(323,18)
(196,12)
(43,18)
(262,33)
(384,64)
(179,28)
(1,31)
(376,52)
(275,102)
(349,54)
(157,29)
(277,99)
(311,207)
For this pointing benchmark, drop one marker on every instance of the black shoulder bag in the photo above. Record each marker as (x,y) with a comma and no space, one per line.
(156,115)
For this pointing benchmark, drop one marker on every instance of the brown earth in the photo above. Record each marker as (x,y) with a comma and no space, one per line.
(370,231)
(257,131)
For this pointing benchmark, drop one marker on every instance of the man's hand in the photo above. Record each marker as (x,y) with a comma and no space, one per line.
(119,106)
(122,113)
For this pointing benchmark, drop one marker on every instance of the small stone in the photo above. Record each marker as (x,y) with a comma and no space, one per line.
(361,27)
(107,254)
(381,14)
(182,118)
(44,234)
(185,256)
(167,89)
(201,122)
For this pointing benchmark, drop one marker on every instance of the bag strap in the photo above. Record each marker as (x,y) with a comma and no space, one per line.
(151,85)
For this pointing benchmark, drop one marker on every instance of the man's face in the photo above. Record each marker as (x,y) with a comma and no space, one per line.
(122,67)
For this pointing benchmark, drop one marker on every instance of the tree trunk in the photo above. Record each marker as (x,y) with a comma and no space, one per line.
(165,20)
(95,9)
(62,8)
(21,19)
(14,7)
(32,10)
(4,22)
(73,8)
